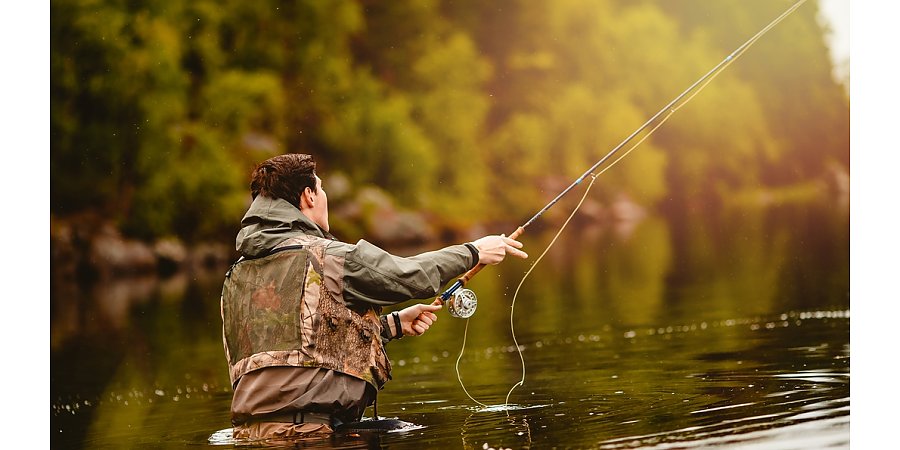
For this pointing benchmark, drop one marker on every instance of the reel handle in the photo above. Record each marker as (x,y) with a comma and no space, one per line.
(470,274)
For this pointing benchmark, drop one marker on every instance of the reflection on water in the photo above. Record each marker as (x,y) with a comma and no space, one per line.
(686,334)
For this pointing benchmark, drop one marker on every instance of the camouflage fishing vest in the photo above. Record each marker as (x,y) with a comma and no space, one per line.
(287,309)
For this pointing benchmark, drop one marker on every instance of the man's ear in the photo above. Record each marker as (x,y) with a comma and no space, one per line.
(305,198)
(300,198)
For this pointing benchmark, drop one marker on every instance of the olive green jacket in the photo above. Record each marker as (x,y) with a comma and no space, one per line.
(372,276)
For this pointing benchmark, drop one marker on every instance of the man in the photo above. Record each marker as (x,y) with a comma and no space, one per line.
(302,335)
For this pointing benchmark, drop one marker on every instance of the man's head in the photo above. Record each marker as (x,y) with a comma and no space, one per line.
(292,177)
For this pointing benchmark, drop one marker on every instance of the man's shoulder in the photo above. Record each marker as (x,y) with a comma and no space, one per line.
(340,248)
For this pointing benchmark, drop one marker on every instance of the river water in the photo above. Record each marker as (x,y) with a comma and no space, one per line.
(731,332)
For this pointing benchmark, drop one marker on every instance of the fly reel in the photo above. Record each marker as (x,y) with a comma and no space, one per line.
(462,303)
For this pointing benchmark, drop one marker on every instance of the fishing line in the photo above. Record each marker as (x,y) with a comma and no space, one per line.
(534,264)
(665,113)
(458,376)
(516,295)
(547,249)
(553,241)
(512,307)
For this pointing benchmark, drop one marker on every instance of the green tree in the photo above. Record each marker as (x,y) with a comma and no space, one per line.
(471,111)
(790,73)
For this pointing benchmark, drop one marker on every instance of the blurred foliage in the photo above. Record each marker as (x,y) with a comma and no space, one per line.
(470,111)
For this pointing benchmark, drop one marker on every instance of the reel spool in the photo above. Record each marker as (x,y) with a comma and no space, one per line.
(462,303)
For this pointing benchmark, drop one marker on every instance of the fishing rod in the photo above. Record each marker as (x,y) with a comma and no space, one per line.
(463,302)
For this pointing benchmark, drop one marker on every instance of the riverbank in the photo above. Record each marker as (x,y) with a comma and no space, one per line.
(86,248)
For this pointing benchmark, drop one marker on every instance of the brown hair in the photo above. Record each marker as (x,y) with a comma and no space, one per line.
(284,177)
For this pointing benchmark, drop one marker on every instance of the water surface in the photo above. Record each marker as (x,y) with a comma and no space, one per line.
(731,332)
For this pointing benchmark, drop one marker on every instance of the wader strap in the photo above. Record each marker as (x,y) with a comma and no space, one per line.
(295,418)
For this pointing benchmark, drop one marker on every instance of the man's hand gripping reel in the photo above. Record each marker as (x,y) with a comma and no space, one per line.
(462,302)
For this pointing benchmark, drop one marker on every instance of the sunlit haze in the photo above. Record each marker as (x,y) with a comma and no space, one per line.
(837,15)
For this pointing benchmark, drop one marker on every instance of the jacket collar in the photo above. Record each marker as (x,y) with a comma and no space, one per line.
(268,222)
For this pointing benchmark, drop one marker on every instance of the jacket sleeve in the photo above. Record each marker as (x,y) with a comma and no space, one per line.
(374,276)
